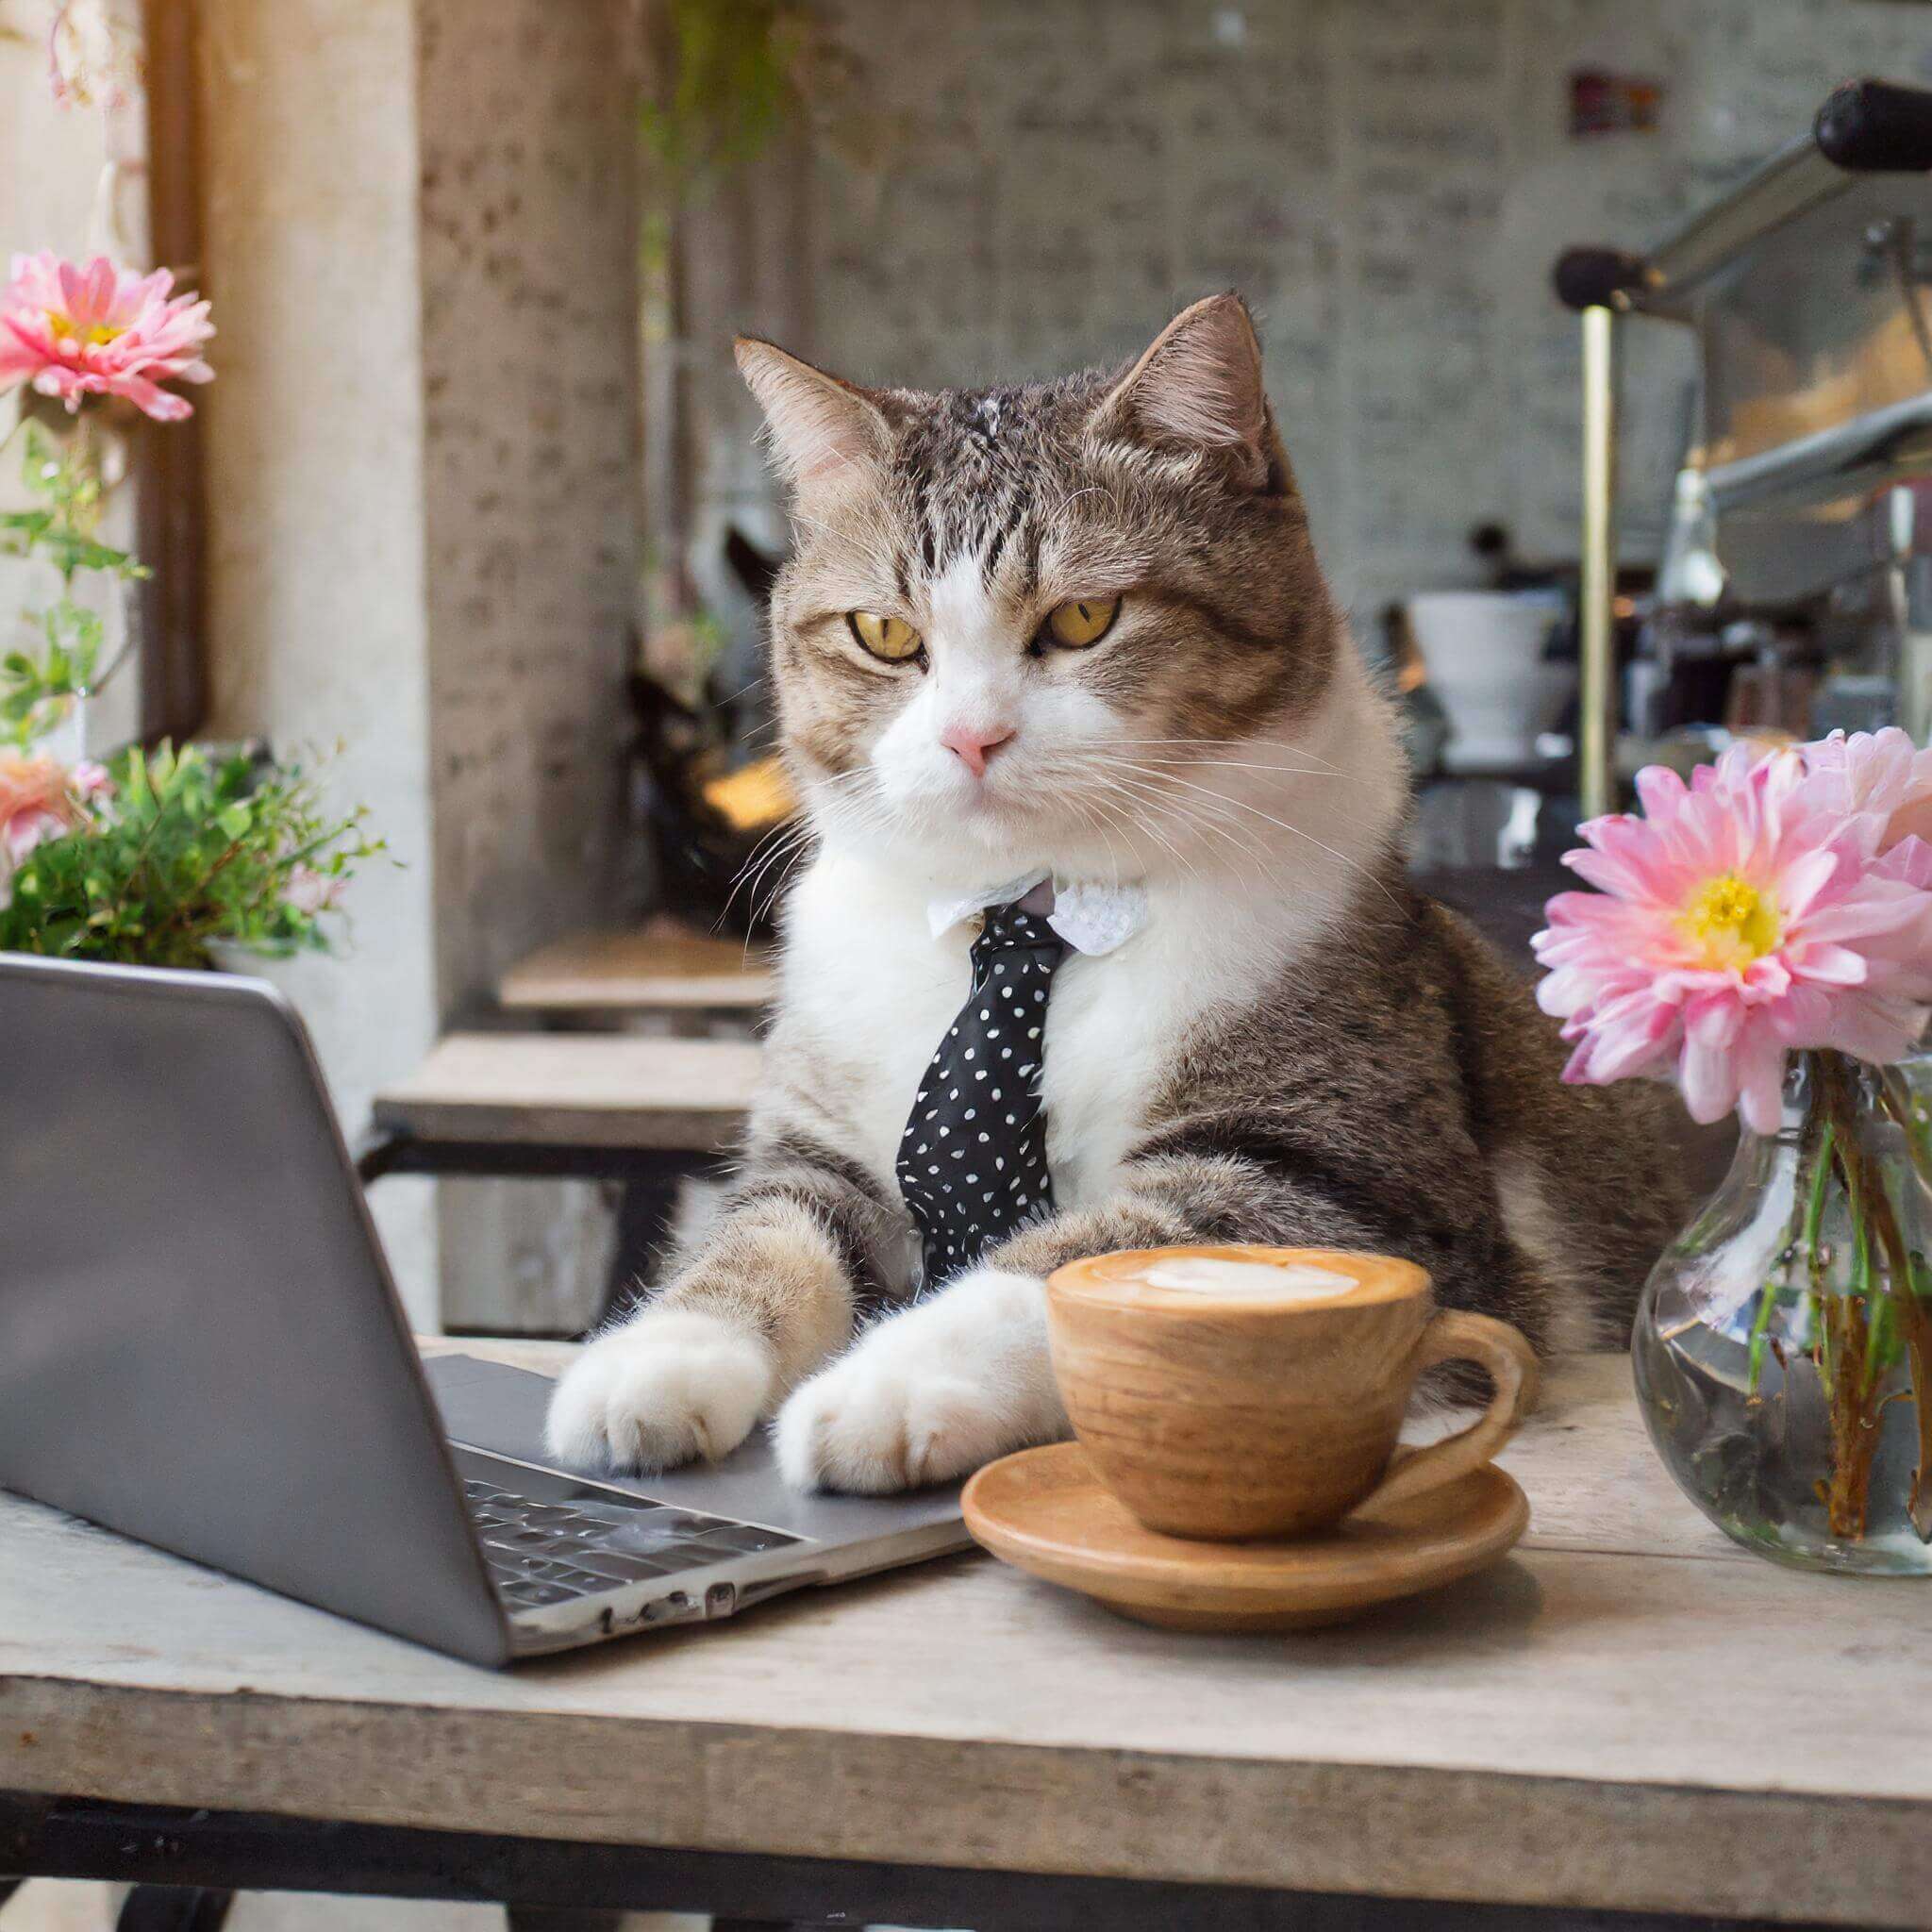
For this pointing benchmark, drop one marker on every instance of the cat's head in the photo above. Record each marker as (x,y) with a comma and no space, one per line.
(1016,620)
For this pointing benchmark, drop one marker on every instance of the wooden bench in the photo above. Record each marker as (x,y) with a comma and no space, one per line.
(663,966)
(639,1108)
(599,1105)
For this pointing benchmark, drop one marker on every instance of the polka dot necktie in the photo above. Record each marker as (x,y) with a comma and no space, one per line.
(972,1162)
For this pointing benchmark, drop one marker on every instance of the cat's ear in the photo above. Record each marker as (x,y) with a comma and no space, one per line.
(1199,387)
(820,426)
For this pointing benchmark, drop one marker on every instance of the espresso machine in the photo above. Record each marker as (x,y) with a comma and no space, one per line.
(1794,591)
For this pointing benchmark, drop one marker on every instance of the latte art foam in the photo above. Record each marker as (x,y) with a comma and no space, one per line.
(1292,1281)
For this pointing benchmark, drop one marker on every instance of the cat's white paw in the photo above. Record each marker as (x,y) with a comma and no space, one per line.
(670,1385)
(926,1396)
(873,1427)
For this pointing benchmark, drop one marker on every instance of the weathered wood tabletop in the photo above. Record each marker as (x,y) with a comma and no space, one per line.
(1629,1712)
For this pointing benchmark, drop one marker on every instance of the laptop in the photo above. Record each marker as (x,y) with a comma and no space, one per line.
(201,1346)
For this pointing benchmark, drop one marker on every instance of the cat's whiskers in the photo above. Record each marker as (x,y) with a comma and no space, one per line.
(798,855)
(1241,765)
(1212,821)
(785,846)
(1151,809)
(1191,819)
(1137,821)
(780,840)
(1169,768)
(1354,864)
(744,689)
(1299,751)
(1093,812)
(1102,778)
(1071,781)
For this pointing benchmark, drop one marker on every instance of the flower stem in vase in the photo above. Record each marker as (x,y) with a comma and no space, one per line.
(1864,1331)
(1814,1160)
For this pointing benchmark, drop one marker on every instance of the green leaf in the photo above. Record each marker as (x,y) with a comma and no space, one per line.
(193,848)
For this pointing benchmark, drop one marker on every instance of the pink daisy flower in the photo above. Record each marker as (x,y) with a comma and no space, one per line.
(41,799)
(1774,903)
(92,60)
(309,890)
(76,331)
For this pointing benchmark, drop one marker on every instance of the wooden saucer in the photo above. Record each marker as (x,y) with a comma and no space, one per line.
(1044,1511)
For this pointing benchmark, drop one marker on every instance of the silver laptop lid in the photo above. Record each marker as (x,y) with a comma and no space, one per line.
(200,1344)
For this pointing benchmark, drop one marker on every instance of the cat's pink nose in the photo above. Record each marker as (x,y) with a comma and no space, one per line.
(973,747)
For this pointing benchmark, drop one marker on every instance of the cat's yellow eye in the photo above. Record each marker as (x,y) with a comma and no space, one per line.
(1083,622)
(891,638)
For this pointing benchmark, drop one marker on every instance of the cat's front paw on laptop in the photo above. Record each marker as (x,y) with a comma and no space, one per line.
(928,1395)
(670,1385)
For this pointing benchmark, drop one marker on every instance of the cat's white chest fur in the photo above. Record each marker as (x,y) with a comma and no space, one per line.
(869,993)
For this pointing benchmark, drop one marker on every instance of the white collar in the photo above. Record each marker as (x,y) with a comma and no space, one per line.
(1090,916)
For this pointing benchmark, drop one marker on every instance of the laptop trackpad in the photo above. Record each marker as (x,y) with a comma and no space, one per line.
(491,1407)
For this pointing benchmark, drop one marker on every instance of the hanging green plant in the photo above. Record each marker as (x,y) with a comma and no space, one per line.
(728,89)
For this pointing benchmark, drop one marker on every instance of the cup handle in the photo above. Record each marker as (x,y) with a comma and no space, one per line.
(1454,1336)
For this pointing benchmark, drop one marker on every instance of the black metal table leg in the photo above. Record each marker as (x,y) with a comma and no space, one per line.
(174,1908)
(645,1215)
(652,1177)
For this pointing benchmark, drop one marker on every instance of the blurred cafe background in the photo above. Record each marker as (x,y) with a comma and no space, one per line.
(475,492)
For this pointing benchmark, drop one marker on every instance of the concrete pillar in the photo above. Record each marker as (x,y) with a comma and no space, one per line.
(420,239)
(318,627)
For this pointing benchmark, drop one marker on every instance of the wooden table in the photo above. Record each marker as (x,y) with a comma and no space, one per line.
(661,966)
(1631,1714)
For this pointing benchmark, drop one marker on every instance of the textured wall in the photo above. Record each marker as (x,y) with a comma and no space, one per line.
(1388,181)
(528,241)
(317,629)
(529,321)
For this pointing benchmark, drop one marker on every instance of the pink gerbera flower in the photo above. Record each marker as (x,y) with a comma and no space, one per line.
(1881,772)
(1774,903)
(101,330)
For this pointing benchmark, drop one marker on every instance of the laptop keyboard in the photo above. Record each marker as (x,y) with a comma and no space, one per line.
(541,1553)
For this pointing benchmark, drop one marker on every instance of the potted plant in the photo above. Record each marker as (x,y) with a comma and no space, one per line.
(154,857)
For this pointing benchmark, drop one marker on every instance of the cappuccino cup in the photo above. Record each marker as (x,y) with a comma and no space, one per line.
(1233,1392)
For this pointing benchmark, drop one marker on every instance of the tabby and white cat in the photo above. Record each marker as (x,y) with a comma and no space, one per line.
(1294,1048)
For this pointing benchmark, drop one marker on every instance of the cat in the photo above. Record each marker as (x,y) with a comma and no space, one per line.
(1295,1047)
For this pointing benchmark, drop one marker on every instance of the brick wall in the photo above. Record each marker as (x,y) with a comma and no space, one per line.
(1387,180)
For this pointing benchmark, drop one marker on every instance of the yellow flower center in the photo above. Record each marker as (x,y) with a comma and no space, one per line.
(1733,922)
(97,334)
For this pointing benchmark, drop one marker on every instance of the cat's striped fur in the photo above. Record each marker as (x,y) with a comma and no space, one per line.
(1296,1049)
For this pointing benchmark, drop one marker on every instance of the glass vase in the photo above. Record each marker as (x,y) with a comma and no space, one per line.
(1783,1348)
